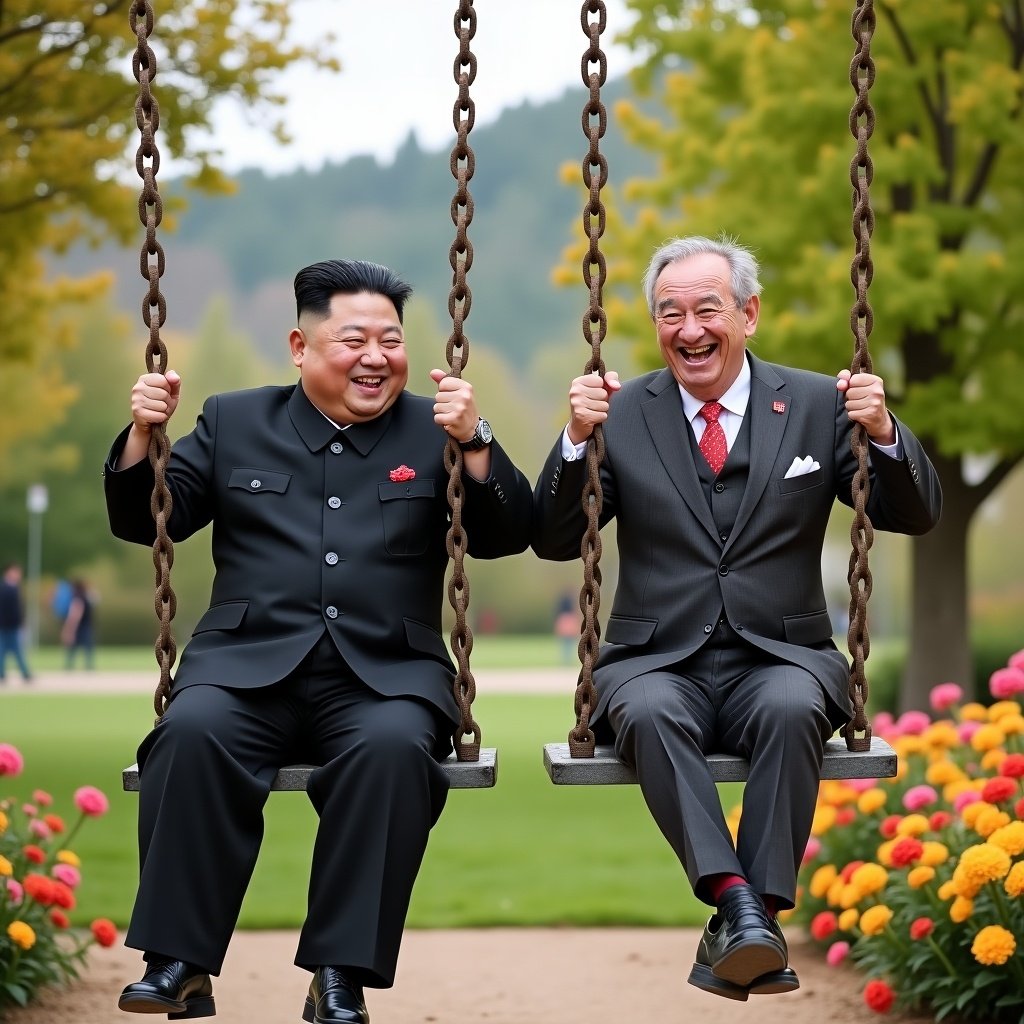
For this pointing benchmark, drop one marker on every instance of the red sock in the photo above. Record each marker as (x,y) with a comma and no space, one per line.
(771,905)
(717,884)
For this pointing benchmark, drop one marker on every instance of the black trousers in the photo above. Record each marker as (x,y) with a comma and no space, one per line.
(205,773)
(731,698)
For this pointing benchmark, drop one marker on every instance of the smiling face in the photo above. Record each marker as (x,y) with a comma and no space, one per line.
(352,362)
(701,332)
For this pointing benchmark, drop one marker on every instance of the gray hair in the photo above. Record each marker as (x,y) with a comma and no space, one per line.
(743,268)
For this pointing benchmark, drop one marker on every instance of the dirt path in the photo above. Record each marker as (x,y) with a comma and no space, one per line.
(495,976)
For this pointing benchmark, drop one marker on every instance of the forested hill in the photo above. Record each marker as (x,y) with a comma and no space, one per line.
(400,214)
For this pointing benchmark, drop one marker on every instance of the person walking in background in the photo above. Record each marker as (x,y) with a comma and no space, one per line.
(78,631)
(721,471)
(12,619)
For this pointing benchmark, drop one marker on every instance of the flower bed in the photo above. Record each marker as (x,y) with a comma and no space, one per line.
(921,878)
(39,873)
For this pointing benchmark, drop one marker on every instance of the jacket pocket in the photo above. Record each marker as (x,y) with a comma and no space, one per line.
(634,632)
(807,628)
(258,481)
(802,482)
(424,639)
(228,615)
(407,510)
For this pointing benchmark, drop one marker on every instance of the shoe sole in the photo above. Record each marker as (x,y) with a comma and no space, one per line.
(774,983)
(201,1006)
(745,963)
(704,978)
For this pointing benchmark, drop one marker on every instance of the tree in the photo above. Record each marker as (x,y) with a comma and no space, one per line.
(67,107)
(753,139)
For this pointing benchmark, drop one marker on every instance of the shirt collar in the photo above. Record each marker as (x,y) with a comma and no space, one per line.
(317,430)
(734,400)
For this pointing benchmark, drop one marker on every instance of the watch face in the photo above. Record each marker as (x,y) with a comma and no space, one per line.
(484,432)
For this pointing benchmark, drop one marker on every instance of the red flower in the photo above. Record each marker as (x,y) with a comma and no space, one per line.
(848,871)
(921,928)
(103,931)
(878,996)
(939,820)
(1013,766)
(888,826)
(60,919)
(998,789)
(823,925)
(402,473)
(55,822)
(905,851)
(1018,808)
(846,816)
(63,896)
(34,854)
(41,889)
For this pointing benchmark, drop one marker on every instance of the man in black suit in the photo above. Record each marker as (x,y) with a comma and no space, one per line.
(721,471)
(321,644)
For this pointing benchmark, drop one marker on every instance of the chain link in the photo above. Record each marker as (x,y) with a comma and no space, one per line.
(595,325)
(151,266)
(862,124)
(460,300)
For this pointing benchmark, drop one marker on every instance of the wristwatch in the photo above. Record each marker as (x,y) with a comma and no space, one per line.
(482,437)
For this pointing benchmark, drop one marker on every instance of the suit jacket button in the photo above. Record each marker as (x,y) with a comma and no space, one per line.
(708,628)
(331,612)
(255,484)
(331,558)
(723,570)
(719,488)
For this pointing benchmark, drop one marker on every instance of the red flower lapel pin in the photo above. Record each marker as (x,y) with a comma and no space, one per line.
(402,473)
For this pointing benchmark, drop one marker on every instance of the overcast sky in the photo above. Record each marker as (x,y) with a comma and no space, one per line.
(397,58)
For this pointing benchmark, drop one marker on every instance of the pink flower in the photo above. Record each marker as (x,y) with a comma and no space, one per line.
(812,849)
(11,761)
(16,891)
(944,696)
(39,828)
(913,723)
(42,798)
(402,473)
(961,800)
(29,810)
(1017,660)
(884,724)
(859,785)
(918,797)
(91,802)
(837,953)
(68,874)
(965,730)
(1006,683)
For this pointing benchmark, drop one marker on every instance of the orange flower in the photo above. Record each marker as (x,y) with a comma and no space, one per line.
(103,931)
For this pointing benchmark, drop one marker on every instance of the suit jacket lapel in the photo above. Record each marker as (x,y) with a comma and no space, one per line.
(668,426)
(767,427)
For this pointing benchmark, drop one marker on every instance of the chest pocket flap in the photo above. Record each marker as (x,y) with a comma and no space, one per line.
(257,481)
(405,489)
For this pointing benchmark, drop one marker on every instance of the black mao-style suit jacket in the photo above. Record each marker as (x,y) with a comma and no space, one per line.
(676,575)
(314,527)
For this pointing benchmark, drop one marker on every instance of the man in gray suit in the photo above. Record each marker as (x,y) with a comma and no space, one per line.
(721,471)
(321,645)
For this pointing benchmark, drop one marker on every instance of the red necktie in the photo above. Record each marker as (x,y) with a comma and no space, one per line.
(712,442)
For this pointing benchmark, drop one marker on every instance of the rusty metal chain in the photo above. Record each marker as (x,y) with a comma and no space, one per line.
(460,300)
(151,266)
(862,124)
(595,326)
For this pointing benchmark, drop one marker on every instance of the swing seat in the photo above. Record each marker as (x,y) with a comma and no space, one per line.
(480,774)
(605,769)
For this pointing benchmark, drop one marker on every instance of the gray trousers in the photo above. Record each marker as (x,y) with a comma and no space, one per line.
(730,698)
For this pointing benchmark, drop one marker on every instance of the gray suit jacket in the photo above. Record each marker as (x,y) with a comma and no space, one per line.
(676,575)
(310,532)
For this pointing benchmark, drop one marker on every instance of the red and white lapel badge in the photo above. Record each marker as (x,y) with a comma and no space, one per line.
(402,473)
(778,406)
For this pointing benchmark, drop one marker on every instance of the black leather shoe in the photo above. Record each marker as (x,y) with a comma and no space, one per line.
(334,999)
(172,987)
(739,943)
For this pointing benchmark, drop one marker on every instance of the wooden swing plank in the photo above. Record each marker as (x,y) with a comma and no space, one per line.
(480,774)
(605,769)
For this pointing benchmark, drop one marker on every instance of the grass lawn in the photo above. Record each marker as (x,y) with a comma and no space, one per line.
(524,853)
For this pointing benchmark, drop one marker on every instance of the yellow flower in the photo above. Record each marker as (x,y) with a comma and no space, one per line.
(953,789)
(821,880)
(871,800)
(21,934)
(933,854)
(987,737)
(849,897)
(884,852)
(947,890)
(848,919)
(3,823)
(907,745)
(992,759)
(961,909)
(989,819)
(874,919)
(869,878)
(939,773)
(1012,725)
(1001,709)
(993,945)
(920,876)
(824,819)
(1014,884)
(973,712)
(837,793)
(835,891)
(913,825)
(1009,837)
(6,868)
(971,811)
(942,735)
(978,865)
(67,857)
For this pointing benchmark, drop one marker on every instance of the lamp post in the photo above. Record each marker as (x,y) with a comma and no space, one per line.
(37,500)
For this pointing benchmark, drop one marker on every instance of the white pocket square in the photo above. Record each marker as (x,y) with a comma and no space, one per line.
(800,467)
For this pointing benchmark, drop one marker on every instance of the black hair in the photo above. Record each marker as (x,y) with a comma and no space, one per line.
(315,285)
